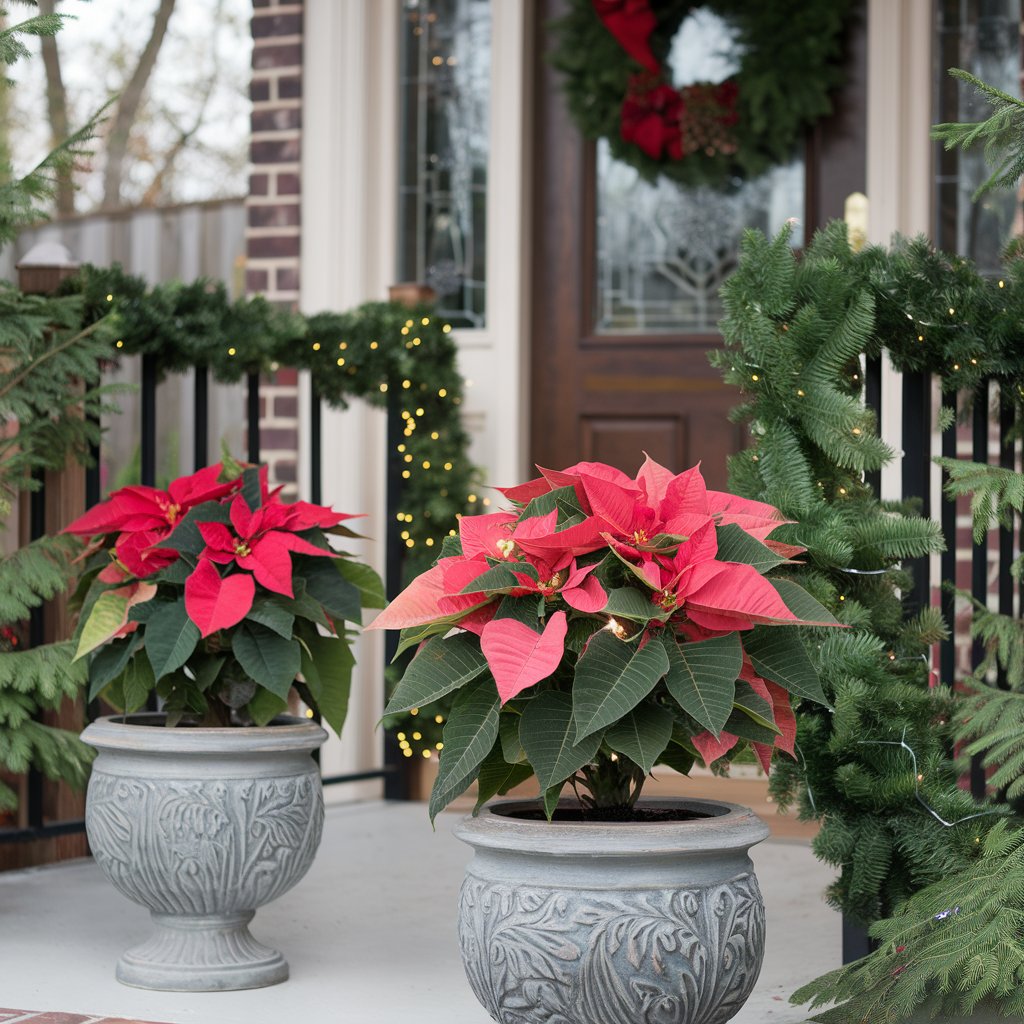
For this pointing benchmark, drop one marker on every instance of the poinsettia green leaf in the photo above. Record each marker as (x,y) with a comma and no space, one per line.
(511,746)
(547,732)
(742,725)
(451,546)
(363,577)
(581,629)
(468,736)
(642,735)
(778,654)
(677,758)
(493,581)
(802,605)
(109,614)
(109,662)
(736,545)
(326,663)
(702,677)
(545,504)
(325,584)
(137,683)
(612,677)
(551,797)
(630,603)
(496,776)
(301,606)
(185,537)
(171,637)
(413,636)
(272,614)
(206,669)
(265,706)
(754,706)
(526,610)
(443,665)
(268,659)
(252,490)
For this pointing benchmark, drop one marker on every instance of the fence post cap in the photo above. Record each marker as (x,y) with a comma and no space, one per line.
(48,254)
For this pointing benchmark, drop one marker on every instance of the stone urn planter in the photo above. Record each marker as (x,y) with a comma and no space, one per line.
(617,923)
(202,826)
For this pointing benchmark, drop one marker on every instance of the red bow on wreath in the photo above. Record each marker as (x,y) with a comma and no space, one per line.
(631,22)
(665,122)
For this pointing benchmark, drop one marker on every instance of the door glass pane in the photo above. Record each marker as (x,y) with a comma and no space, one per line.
(444,118)
(664,249)
(983,37)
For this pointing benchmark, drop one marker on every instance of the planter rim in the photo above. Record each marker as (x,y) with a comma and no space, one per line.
(290,733)
(731,827)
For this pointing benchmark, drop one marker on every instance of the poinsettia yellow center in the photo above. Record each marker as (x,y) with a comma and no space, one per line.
(640,537)
(666,600)
(242,550)
(506,547)
(172,511)
(550,586)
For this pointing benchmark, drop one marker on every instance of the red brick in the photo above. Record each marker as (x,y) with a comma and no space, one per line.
(289,87)
(286,405)
(281,120)
(287,378)
(258,184)
(288,184)
(267,24)
(256,280)
(278,438)
(273,245)
(259,90)
(279,215)
(278,55)
(276,151)
(286,279)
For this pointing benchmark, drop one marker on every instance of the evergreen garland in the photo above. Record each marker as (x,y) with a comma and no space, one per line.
(795,331)
(377,349)
(790,61)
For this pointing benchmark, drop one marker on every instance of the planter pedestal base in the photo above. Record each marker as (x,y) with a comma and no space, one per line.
(209,953)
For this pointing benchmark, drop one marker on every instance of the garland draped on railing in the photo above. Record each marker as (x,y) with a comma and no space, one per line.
(377,349)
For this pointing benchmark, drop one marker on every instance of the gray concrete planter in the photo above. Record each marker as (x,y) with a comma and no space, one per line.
(612,923)
(202,826)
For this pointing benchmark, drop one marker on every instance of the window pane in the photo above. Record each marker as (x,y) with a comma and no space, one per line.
(664,249)
(444,118)
(983,37)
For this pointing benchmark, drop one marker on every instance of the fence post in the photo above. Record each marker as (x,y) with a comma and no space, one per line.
(46,511)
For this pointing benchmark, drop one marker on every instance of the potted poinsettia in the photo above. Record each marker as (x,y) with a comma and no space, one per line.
(220,599)
(599,627)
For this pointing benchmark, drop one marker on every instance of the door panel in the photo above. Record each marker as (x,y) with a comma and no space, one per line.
(609,397)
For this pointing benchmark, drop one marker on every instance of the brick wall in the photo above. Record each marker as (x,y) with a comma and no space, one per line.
(272,207)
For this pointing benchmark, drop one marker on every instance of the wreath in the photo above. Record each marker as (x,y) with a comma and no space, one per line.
(619,86)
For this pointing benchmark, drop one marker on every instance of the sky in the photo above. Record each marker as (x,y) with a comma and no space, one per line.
(208,47)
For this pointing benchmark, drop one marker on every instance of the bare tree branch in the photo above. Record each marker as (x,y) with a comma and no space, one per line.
(128,106)
(57,111)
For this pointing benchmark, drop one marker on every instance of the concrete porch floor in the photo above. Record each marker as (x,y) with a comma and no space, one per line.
(368,940)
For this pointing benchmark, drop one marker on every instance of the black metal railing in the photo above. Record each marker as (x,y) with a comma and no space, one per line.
(919,425)
(396,786)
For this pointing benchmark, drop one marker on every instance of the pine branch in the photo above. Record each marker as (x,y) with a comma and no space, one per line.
(1001,132)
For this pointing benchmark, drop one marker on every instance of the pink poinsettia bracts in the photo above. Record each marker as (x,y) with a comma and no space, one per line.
(589,545)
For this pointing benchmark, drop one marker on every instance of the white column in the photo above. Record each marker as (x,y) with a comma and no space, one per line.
(349,186)
(899,158)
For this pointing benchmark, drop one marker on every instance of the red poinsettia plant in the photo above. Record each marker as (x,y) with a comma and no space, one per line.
(602,626)
(219,597)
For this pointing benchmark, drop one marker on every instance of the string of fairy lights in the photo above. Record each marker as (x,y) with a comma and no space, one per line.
(381,353)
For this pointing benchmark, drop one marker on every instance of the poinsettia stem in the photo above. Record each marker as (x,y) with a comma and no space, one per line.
(613,782)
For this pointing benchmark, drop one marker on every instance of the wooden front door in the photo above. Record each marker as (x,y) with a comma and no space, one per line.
(598,394)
